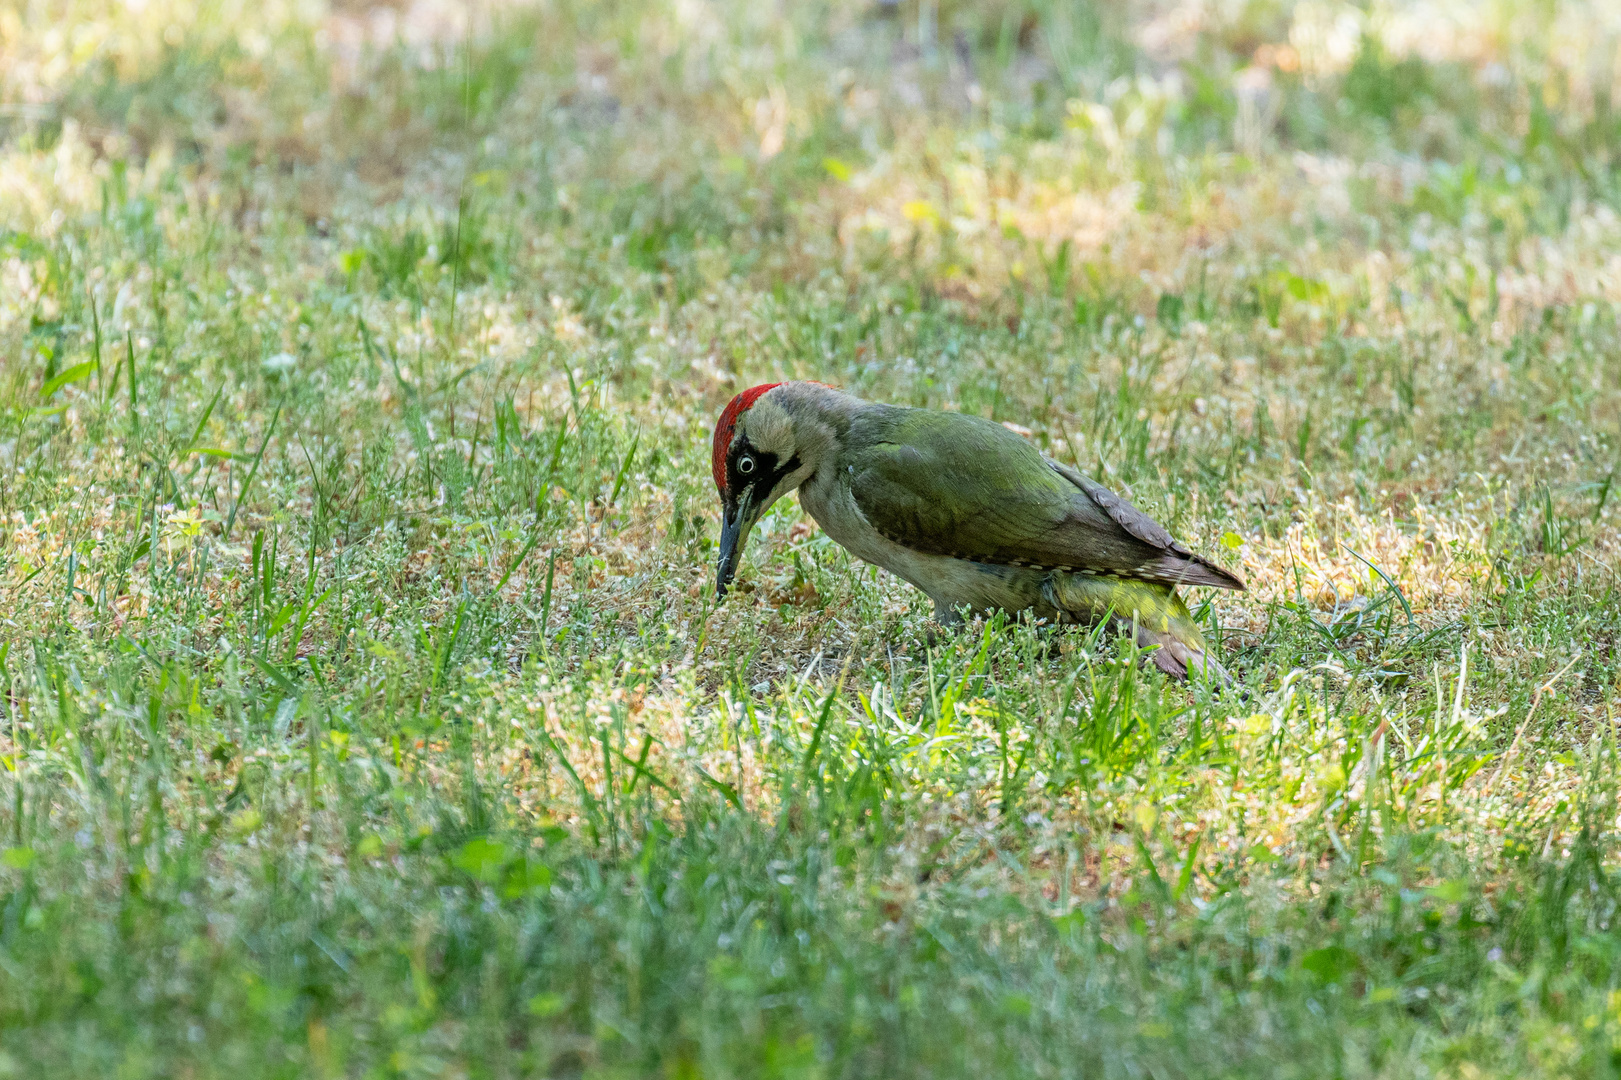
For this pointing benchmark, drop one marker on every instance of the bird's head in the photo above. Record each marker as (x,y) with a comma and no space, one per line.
(760,454)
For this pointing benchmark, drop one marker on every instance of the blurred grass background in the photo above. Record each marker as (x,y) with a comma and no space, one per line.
(367,711)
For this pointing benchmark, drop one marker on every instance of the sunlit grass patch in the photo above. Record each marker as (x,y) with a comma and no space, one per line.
(1335,556)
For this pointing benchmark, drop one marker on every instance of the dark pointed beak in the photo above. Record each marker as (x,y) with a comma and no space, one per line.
(734,529)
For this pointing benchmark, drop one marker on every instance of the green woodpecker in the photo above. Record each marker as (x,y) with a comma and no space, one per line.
(962,508)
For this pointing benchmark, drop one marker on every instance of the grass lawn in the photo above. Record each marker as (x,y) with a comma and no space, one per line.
(367,710)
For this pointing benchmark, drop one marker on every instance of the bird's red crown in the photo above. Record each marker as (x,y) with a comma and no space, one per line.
(726,427)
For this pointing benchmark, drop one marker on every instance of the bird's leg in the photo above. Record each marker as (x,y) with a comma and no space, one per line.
(947,622)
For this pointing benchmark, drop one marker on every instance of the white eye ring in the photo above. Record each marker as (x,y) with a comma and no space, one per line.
(745,464)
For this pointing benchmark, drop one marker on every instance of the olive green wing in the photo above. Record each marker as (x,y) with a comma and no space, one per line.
(1171,563)
(964,487)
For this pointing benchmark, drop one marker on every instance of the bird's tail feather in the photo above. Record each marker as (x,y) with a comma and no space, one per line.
(1160,619)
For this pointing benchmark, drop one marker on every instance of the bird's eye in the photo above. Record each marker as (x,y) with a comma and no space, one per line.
(745,464)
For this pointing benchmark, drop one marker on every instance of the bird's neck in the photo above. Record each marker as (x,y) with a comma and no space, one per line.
(821,417)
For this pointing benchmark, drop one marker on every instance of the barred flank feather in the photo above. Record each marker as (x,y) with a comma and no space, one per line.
(1161,619)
